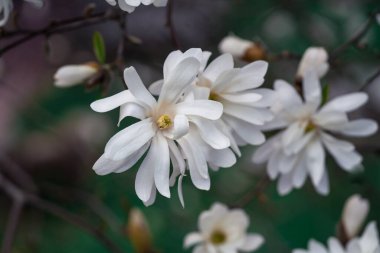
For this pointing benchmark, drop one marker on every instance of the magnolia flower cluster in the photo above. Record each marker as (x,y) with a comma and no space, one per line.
(223,230)
(201,112)
(354,214)
(131,5)
(309,126)
(6,7)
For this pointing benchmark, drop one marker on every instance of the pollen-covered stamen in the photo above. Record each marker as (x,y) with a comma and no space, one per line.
(214,96)
(164,122)
(218,237)
(310,127)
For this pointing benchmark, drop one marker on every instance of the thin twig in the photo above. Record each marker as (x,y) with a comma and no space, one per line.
(370,80)
(62,26)
(356,38)
(255,192)
(170,24)
(13,221)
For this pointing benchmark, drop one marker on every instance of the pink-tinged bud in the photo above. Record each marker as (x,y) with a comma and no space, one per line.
(354,214)
(314,59)
(242,49)
(71,75)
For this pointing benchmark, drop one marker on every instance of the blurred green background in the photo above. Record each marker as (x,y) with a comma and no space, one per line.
(57,138)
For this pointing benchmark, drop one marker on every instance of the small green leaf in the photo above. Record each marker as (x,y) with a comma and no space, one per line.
(99,47)
(325,93)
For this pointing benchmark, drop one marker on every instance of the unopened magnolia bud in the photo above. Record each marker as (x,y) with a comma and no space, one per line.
(243,49)
(71,75)
(138,232)
(354,214)
(314,59)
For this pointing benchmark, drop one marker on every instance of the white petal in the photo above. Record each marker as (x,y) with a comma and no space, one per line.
(285,184)
(192,238)
(203,108)
(127,141)
(263,152)
(243,98)
(346,103)
(248,132)
(315,161)
(155,88)
(314,59)
(137,88)
(335,246)
(110,103)
(179,80)
(162,165)
(208,219)
(293,133)
(224,158)
(343,152)
(316,247)
(360,128)
(252,242)
(323,186)
(333,121)
(286,96)
(176,154)
(160,3)
(180,127)
(200,249)
(312,89)
(145,175)
(180,192)
(211,134)
(218,66)
(354,214)
(256,116)
(370,238)
(131,110)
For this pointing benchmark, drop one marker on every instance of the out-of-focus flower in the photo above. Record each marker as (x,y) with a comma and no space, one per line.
(131,5)
(314,59)
(138,231)
(354,214)
(6,7)
(223,230)
(162,123)
(368,243)
(299,149)
(71,75)
(243,49)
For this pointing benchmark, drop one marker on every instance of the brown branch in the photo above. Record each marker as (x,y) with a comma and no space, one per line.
(21,197)
(170,24)
(61,26)
(254,193)
(356,38)
(370,80)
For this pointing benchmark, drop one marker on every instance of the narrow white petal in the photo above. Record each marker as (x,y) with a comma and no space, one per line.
(192,238)
(312,89)
(346,103)
(211,134)
(224,158)
(256,116)
(248,132)
(180,127)
(110,103)
(145,175)
(137,87)
(252,242)
(162,164)
(155,88)
(315,161)
(335,246)
(369,241)
(203,108)
(218,66)
(132,110)
(360,128)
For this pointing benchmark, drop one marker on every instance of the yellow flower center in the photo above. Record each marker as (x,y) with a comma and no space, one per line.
(218,237)
(213,96)
(164,122)
(310,127)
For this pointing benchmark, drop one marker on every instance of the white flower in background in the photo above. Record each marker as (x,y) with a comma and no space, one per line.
(235,46)
(243,49)
(299,149)
(368,243)
(162,122)
(130,5)
(354,214)
(314,59)
(6,7)
(245,107)
(223,230)
(71,75)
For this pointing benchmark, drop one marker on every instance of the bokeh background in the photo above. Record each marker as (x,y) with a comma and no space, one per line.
(54,136)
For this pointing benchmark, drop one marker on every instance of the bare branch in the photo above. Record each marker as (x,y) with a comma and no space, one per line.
(170,24)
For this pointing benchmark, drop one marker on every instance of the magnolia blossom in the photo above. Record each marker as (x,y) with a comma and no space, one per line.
(368,243)
(130,5)
(354,214)
(6,7)
(308,129)
(71,75)
(223,230)
(314,59)
(242,49)
(161,124)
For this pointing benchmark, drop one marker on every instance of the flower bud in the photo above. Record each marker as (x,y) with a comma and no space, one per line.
(354,214)
(243,49)
(138,232)
(71,75)
(314,59)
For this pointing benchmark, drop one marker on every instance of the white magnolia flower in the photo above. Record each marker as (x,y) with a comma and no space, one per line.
(130,5)
(314,59)
(245,107)
(309,129)
(235,46)
(354,214)
(162,123)
(6,7)
(71,75)
(223,230)
(368,243)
